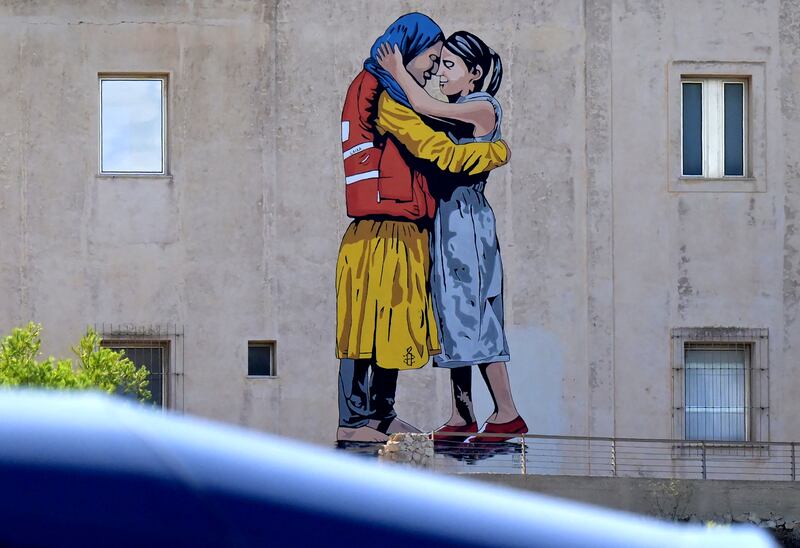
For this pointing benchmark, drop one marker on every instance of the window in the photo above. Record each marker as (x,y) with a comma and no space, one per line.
(716,391)
(717,126)
(133,125)
(154,355)
(720,384)
(157,346)
(714,127)
(260,359)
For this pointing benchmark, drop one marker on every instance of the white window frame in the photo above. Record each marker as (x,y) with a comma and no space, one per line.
(164,79)
(713,126)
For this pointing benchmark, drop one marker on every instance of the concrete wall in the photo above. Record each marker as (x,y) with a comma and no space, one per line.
(601,259)
(670,499)
(689,258)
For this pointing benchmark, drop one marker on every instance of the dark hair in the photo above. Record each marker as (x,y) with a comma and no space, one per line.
(475,53)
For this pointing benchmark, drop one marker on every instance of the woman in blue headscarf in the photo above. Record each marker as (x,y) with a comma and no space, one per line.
(413,33)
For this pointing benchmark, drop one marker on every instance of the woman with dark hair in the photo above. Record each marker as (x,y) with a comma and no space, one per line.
(466,273)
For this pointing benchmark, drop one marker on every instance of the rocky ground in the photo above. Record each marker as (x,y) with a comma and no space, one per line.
(785,529)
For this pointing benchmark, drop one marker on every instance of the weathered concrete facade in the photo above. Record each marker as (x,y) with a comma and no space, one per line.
(603,255)
(716,500)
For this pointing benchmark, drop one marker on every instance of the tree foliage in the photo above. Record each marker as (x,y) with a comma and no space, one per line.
(96,367)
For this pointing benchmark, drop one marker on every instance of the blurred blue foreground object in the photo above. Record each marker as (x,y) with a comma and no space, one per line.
(80,469)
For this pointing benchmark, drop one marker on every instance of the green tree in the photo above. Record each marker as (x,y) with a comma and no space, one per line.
(97,367)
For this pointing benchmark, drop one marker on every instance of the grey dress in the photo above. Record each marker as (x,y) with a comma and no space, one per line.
(466,272)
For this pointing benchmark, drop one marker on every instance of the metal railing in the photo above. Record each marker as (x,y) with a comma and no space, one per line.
(618,457)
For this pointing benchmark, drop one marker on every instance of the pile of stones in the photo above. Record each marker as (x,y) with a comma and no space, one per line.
(771,521)
(408,448)
(785,528)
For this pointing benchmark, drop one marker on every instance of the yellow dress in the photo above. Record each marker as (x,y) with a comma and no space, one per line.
(384,308)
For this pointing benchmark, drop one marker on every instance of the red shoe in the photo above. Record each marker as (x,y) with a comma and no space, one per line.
(466,429)
(516,426)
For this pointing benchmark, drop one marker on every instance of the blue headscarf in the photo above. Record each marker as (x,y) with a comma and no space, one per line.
(413,33)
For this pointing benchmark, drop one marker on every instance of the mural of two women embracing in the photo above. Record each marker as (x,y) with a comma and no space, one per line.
(419,273)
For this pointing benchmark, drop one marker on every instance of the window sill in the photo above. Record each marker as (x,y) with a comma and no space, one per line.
(727,184)
(260,377)
(140,176)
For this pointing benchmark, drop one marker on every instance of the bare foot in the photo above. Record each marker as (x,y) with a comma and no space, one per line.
(498,418)
(455,420)
(396,425)
(362,434)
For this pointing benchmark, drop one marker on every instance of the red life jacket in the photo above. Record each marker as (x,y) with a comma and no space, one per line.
(378,180)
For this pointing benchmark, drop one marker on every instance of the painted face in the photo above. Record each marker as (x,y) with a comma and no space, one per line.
(454,78)
(424,66)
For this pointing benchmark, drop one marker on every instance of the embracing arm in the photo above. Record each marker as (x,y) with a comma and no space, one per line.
(435,146)
(478,113)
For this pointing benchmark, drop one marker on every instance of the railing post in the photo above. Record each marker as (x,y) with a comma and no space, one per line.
(703,457)
(433,460)
(794,465)
(524,457)
(614,457)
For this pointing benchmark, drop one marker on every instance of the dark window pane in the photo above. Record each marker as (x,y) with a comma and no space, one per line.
(734,129)
(259,360)
(153,359)
(692,129)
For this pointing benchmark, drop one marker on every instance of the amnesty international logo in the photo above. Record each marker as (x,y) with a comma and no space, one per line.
(408,357)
